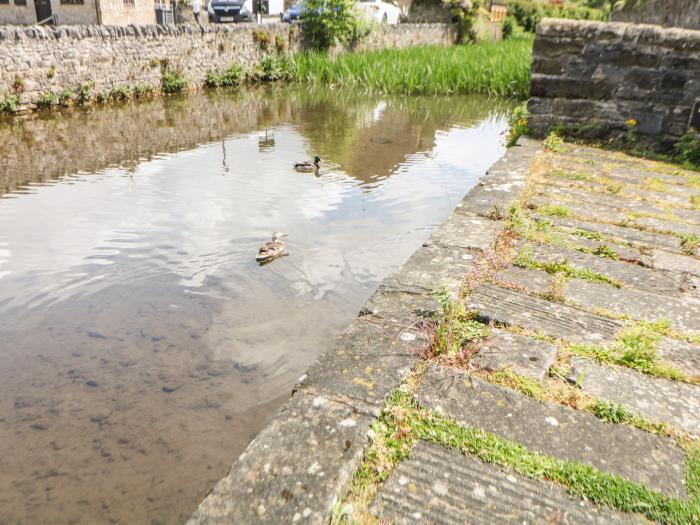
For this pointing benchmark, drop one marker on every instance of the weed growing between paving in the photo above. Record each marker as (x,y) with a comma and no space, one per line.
(524,259)
(635,347)
(403,423)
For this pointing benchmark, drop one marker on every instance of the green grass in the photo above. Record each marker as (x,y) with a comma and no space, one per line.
(494,68)
(525,260)
(403,423)
(635,347)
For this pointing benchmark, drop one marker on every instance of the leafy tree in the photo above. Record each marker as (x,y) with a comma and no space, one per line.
(328,22)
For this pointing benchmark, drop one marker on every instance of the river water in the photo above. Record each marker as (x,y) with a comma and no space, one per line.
(141,346)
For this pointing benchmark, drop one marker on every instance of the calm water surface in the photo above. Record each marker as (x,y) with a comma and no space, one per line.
(141,346)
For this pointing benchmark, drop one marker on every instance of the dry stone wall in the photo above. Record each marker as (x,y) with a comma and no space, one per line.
(37,60)
(594,78)
(672,13)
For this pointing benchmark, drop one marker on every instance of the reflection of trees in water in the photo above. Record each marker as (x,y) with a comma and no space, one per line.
(353,130)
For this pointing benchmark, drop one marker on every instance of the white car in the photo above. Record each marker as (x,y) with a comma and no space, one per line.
(380,12)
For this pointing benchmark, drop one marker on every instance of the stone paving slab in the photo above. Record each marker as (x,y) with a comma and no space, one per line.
(369,359)
(467,231)
(656,399)
(628,274)
(684,313)
(503,182)
(674,262)
(442,487)
(294,470)
(555,429)
(619,233)
(581,209)
(521,354)
(682,355)
(491,302)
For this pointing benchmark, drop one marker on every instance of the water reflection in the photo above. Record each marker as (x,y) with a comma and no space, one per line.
(142,346)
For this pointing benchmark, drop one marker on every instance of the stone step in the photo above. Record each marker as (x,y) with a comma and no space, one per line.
(555,430)
(295,468)
(683,312)
(442,487)
(494,303)
(582,210)
(658,400)
(613,202)
(521,354)
(630,275)
(619,233)
(674,262)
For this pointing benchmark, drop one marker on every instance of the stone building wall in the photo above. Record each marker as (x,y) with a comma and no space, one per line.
(672,13)
(592,78)
(53,59)
(114,12)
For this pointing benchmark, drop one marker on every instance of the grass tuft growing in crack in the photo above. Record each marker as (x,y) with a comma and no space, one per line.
(455,327)
(525,260)
(635,347)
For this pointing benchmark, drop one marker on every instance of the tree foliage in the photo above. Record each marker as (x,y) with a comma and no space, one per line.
(329,22)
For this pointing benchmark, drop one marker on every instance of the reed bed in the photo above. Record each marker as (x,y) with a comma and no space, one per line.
(493,68)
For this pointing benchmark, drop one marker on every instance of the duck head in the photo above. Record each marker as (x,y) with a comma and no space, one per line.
(317,159)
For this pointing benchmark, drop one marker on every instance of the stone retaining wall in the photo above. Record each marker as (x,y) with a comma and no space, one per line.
(36,60)
(673,13)
(592,78)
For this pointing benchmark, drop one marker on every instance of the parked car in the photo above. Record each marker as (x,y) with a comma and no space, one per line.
(293,13)
(220,11)
(379,11)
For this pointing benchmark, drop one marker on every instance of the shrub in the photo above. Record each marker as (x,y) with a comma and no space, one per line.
(507,27)
(280,44)
(271,68)
(464,15)
(142,90)
(122,92)
(328,22)
(9,104)
(553,142)
(103,97)
(687,150)
(18,84)
(172,80)
(262,37)
(232,76)
(47,100)
(85,92)
(529,13)
(518,125)
(65,97)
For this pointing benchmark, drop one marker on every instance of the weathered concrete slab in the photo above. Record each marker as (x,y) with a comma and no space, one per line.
(433,266)
(656,399)
(663,225)
(591,209)
(682,355)
(294,470)
(683,312)
(369,360)
(521,354)
(467,231)
(619,233)
(674,262)
(555,429)
(502,184)
(631,275)
(532,280)
(492,302)
(440,486)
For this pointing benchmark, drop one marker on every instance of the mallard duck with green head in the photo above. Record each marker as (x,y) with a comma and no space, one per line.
(307,166)
(271,249)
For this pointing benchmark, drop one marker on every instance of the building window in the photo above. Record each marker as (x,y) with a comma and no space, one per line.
(75,2)
(20,2)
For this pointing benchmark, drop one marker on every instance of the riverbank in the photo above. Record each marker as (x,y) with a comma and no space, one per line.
(574,345)
(88,66)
